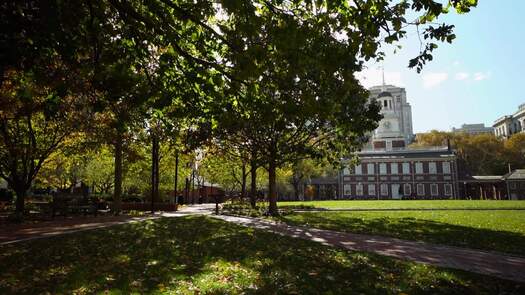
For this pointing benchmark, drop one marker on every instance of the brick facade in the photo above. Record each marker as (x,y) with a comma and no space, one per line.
(407,174)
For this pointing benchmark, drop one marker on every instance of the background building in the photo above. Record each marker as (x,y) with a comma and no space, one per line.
(390,169)
(395,130)
(473,129)
(402,174)
(510,124)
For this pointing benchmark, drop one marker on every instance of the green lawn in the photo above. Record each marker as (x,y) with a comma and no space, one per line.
(410,204)
(201,255)
(500,230)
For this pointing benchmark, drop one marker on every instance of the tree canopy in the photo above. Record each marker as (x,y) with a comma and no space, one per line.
(272,79)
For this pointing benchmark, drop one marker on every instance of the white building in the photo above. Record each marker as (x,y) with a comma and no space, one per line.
(510,124)
(473,129)
(395,130)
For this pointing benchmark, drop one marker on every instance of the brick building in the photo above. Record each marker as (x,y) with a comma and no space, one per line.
(401,174)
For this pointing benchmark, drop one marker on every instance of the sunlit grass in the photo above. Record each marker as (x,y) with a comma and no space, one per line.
(411,204)
(201,255)
(499,230)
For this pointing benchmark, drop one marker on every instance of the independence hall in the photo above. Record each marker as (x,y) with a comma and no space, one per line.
(389,169)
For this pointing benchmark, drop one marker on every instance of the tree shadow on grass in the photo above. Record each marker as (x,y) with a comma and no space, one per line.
(417,230)
(200,253)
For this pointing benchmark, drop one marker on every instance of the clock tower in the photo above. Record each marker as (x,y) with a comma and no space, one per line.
(395,129)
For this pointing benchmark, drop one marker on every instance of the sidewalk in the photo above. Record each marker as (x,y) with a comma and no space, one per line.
(488,263)
(60,225)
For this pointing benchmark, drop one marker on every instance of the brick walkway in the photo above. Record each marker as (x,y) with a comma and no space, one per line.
(28,231)
(488,263)
(58,226)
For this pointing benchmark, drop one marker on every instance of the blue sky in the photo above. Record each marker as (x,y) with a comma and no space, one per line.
(476,79)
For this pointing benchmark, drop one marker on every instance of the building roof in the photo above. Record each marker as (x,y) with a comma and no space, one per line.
(501,119)
(408,153)
(515,175)
(482,179)
(487,177)
(518,174)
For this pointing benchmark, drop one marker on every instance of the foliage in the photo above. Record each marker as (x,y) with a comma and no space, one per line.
(278,76)
(482,154)
(302,171)
(34,122)
(515,150)
(61,170)
(99,170)
(299,97)
(202,255)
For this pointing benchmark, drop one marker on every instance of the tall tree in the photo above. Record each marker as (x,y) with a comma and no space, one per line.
(34,122)
(298,67)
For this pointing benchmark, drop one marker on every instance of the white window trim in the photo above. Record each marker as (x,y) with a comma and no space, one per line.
(375,190)
(383,171)
(347,190)
(392,165)
(419,165)
(420,192)
(368,168)
(384,189)
(406,164)
(430,170)
(432,192)
(448,189)
(359,189)
(358,169)
(407,192)
(448,169)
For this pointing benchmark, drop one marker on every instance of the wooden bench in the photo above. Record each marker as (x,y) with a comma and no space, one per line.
(66,205)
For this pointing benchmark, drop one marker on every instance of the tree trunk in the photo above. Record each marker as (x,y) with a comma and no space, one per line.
(117,194)
(176,195)
(187,191)
(272,188)
(243,182)
(295,184)
(154,171)
(20,200)
(193,187)
(253,184)
(216,199)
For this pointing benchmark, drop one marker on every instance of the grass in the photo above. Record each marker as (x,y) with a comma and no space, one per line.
(201,255)
(497,230)
(410,204)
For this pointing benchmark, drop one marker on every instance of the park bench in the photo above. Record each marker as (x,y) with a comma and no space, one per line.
(73,205)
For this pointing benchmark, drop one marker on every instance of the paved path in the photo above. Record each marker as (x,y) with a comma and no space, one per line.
(499,265)
(59,226)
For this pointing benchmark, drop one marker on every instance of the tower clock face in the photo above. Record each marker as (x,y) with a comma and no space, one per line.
(386,125)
